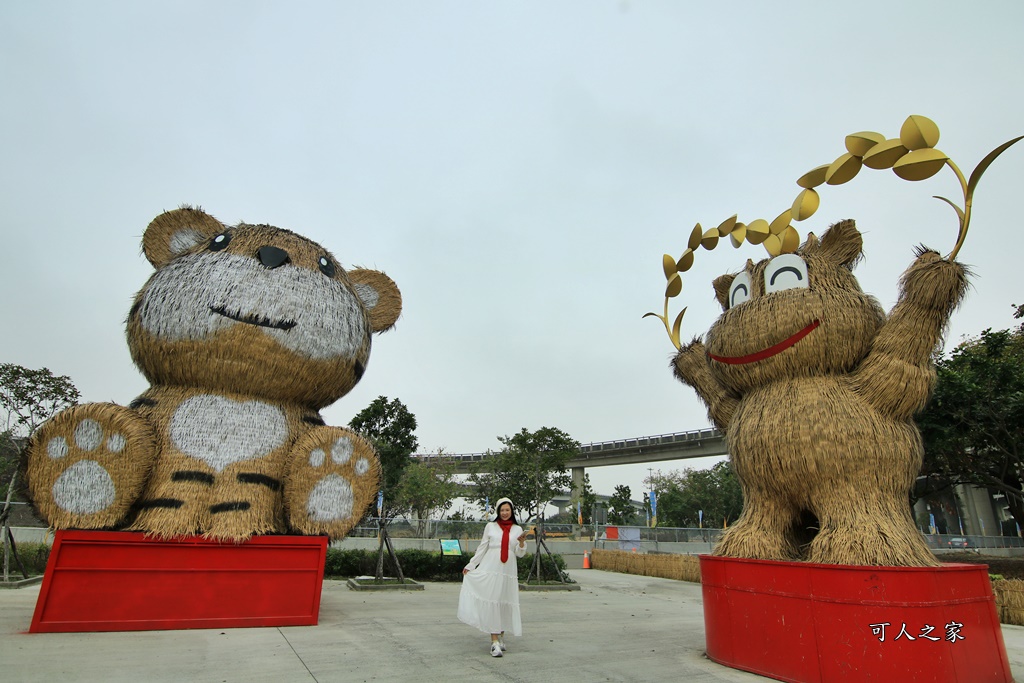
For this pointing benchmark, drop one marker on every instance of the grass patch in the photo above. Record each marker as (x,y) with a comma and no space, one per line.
(33,556)
(386,581)
(421,565)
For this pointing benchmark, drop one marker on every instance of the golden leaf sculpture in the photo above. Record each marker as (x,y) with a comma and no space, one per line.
(911,156)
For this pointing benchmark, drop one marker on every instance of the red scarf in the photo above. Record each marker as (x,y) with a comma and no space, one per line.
(506,526)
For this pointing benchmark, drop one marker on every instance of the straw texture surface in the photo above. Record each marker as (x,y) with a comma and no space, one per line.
(667,566)
(1009,600)
(244,334)
(815,388)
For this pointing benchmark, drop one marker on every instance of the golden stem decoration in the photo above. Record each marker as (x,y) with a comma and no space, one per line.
(968,189)
(911,156)
(673,331)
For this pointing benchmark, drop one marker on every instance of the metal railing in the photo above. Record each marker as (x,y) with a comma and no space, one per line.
(971,541)
(647,536)
(694,435)
(656,440)
(465,529)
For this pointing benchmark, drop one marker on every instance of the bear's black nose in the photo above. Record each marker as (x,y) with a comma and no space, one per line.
(272,257)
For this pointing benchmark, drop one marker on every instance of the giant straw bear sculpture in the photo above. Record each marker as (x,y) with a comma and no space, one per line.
(815,389)
(244,334)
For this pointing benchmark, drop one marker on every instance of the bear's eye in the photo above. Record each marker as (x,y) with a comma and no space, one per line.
(739,290)
(326,266)
(787,271)
(220,241)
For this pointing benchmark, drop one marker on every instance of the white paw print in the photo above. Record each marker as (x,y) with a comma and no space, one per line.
(331,498)
(88,436)
(85,487)
(342,450)
(341,453)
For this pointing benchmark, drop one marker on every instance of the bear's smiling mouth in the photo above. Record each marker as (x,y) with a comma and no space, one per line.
(769,352)
(254,319)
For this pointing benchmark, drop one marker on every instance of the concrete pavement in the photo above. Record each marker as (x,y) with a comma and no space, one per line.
(617,628)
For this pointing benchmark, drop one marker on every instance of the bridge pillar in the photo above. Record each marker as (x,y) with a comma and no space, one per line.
(577,481)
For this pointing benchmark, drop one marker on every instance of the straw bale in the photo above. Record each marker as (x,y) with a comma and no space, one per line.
(244,334)
(1009,595)
(820,430)
(603,559)
(677,567)
(689,568)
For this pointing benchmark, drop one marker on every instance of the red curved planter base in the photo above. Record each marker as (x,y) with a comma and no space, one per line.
(815,623)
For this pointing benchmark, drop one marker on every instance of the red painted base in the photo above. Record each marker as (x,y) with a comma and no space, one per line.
(119,581)
(816,623)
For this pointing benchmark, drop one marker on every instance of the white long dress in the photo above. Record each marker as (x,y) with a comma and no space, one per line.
(489,599)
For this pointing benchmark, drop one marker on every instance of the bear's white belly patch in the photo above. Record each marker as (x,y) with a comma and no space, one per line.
(221,432)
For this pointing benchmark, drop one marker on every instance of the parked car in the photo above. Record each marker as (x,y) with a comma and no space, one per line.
(958,542)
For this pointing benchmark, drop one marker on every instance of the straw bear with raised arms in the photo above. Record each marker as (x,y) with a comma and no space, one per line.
(815,389)
(244,334)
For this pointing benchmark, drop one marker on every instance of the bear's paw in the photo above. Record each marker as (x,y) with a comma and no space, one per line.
(333,478)
(87,465)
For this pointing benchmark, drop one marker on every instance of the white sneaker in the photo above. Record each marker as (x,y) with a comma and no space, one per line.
(495,649)
(501,643)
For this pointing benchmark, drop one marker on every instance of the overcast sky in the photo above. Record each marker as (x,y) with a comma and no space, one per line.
(518,168)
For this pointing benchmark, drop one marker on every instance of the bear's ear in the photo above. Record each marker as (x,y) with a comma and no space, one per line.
(721,285)
(379,295)
(842,243)
(172,233)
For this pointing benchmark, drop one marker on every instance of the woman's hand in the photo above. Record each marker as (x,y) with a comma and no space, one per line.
(522,540)
(465,571)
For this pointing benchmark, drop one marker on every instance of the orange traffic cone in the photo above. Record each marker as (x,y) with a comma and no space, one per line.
(586,560)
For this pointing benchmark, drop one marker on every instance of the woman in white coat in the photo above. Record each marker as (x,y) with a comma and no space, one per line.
(490,582)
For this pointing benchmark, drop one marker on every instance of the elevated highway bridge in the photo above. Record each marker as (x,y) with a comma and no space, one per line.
(698,443)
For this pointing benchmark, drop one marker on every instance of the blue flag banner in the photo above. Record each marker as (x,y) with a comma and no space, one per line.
(380,503)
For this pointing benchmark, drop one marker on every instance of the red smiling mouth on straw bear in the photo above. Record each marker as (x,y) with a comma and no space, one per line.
(769,352)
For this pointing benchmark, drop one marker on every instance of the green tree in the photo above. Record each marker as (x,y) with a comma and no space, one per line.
(973,427)
(427,488)
(620,508)
(30,397)
(391,428)
(682,495)
(10,455)
(27,398)
(530,470)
